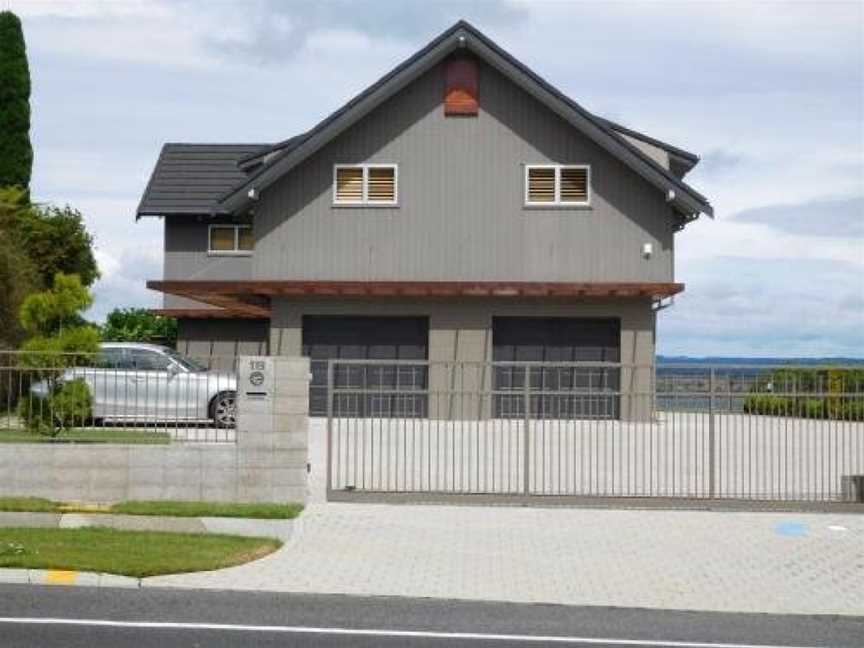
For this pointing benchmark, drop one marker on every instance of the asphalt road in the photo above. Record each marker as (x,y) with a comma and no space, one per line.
(50,617)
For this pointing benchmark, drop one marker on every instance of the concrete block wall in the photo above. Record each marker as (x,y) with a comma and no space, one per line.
(266,464)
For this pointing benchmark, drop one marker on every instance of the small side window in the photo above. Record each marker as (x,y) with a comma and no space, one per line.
(230,239)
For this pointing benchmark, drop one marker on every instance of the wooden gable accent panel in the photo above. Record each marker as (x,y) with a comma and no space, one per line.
(460,95)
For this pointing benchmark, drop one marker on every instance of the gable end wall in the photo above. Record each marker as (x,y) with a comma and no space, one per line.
(461,191)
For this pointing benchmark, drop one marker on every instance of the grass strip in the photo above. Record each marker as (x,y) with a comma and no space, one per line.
(128,553)
(88,435)
(266,511)
(27,505)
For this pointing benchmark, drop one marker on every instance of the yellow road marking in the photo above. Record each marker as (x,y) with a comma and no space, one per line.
(60,577)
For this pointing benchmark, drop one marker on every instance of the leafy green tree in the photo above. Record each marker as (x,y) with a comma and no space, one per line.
(54,238)
(52,319)
(18,278)
(139,325)
(16,153)
(58,338)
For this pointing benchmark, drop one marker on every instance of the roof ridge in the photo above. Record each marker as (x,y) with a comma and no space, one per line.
(244,144)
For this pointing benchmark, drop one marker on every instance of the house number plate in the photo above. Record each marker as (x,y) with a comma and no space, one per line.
(256,377)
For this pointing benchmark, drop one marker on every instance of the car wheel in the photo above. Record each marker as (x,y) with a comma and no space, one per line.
(223,410)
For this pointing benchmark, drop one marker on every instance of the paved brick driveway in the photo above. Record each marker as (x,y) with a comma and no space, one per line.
(753,562)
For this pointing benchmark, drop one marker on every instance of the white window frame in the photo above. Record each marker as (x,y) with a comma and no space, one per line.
(557,202)
(364,201)
(236,251)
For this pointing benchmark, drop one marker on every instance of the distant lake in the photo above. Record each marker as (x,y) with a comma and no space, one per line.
(683,382)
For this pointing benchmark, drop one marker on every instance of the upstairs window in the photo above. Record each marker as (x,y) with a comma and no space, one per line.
(557,185)
(364,184)
(230,240)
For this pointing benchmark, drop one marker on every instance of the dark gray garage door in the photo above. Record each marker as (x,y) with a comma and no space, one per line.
(367,338)
(556,340)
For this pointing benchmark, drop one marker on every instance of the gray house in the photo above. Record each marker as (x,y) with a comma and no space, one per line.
(460,209)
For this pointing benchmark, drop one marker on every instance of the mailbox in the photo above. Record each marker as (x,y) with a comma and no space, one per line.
(255,378)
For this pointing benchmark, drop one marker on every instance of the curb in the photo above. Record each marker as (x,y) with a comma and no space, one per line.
(67,578)
(284,530)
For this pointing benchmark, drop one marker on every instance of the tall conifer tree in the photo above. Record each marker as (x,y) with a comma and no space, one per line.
(16,153)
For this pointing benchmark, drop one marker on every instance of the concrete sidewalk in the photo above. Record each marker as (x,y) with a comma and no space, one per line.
(722,561)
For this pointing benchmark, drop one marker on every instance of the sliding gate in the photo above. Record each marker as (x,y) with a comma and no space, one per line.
(515,430)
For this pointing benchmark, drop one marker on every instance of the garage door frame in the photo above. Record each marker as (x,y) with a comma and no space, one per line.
(362,337)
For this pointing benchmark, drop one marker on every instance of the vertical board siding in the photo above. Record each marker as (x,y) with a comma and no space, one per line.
(186,258)
(461,195)
(222,338)
(186,253)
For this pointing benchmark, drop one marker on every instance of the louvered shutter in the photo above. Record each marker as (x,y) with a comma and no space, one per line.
(574,185)
(349,184)
(541,185)
(382,184)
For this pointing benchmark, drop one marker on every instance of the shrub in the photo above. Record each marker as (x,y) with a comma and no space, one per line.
(35,414)
(139,325)
(835,394)
(68,404)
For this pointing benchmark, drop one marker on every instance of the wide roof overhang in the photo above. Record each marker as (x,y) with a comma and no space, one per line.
(251,299)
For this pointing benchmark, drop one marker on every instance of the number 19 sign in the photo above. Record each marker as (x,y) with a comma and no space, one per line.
(256,377)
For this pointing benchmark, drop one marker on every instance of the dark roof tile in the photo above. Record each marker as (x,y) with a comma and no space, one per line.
(190,178)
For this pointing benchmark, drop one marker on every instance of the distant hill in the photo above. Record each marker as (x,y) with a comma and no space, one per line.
(768,362)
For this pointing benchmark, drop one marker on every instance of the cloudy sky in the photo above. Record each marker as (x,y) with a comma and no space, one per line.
(770,94)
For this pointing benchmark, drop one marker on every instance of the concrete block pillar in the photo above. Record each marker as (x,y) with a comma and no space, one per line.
(273,428)
(460,343)
(637,356)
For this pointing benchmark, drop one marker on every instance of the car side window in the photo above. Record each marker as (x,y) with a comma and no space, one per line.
(112,359)
(149,361)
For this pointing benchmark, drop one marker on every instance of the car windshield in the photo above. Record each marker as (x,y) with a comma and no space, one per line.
(187,363)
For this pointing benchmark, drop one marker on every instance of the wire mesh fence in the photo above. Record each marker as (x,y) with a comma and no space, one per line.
(595,429)
(125,393)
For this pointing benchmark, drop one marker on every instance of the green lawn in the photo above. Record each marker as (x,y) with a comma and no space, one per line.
(128,553)
(88,435)
(28,505)
(209,509)
(266,511)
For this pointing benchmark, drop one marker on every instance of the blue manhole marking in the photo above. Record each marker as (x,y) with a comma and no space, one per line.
(791,529)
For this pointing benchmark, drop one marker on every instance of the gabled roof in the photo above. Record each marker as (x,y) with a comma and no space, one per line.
(212,179)
(190,178)
(463,35)
(669,148)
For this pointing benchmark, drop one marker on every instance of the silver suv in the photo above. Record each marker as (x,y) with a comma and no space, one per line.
(149,383)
